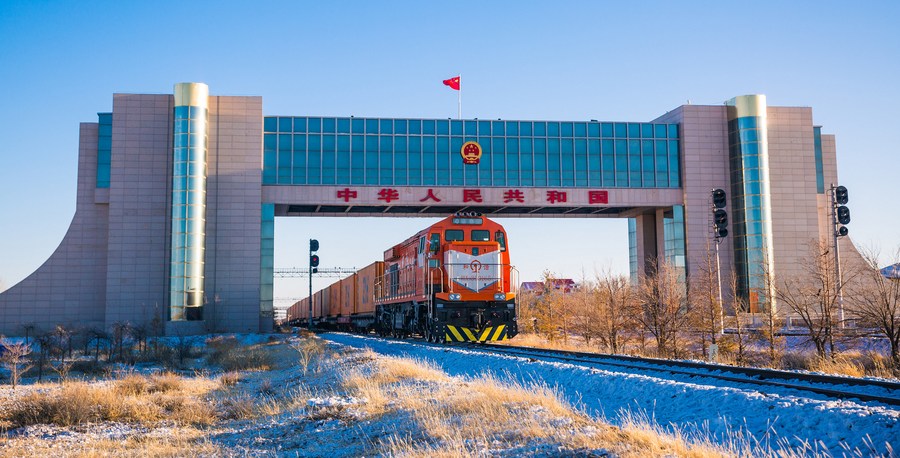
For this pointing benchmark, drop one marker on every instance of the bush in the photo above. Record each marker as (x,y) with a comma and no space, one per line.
(226,352)
(133,398)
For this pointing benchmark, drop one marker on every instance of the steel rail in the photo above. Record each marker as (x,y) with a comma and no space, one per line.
(761,377)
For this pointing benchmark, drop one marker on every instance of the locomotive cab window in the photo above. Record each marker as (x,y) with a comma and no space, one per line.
(435,243)
(500,238)
(422,245)
(481,236)
(454,235)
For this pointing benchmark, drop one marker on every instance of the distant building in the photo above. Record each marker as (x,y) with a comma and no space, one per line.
(892,272)
(565,285)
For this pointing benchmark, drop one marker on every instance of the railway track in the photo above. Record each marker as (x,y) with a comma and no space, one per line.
(837,387)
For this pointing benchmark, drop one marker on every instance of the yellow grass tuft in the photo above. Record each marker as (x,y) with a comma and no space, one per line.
(134,398)
(838,364)
(180,442)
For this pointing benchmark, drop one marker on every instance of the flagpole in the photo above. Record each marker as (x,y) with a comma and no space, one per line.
(459,99)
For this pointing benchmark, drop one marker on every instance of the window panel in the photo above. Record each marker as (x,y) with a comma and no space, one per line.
(386,126)
(525,129)
(314,125)
(553,129)
(400,126)
(415,126)
(358,126)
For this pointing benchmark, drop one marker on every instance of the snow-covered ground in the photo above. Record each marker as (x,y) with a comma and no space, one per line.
(694,406)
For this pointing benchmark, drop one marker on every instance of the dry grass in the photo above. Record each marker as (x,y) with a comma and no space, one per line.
(230,378)
(179,442)
(456,418)
(134,398)
(539,341)
(839,364)
(227,353)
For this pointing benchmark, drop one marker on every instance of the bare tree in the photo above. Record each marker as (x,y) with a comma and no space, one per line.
(140,333)
(704,295)
(586,310)
(664,307)
(875,302)
(738,305)
(45,347)
(62,369)
(15,359)
(28,327)
(812,296)
(549,312)
(97,337)
(119,332)
(617,309)
(184,347)
(62,342)
(772,316)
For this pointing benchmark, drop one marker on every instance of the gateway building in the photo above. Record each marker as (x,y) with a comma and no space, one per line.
(178,193)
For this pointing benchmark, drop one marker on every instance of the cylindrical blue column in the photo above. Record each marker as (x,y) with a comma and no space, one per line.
(188,202)
(751,200)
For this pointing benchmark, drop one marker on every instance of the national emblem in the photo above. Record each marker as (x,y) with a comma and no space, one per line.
(471,152)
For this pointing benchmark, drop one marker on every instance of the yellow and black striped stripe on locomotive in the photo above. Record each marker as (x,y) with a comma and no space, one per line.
(463,334)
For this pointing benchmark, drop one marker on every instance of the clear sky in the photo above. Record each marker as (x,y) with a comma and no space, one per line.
(60,63)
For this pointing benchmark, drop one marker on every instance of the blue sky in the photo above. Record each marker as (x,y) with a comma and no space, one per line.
(60,63)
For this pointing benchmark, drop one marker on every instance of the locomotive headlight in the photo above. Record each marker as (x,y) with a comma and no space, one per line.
(455,296)
(500,296)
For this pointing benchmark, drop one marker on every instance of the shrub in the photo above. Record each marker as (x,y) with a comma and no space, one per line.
(230,378)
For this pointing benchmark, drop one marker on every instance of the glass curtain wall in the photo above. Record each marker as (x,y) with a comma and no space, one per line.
(424,152)
(751,210)
(104,149)
(191,115)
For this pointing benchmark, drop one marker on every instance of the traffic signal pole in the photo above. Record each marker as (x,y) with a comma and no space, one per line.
(837,257)
(719,229)
(313,263)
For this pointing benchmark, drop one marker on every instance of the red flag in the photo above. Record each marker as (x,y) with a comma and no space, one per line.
(453,83)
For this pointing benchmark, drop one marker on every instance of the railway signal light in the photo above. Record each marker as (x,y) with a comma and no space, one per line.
(720,216)
(841,196)
(313,257)
(718,196)
(843,215)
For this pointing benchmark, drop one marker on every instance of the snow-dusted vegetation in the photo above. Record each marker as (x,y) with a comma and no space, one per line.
(286,395)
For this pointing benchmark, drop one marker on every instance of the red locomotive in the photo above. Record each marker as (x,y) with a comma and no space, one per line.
(450,282)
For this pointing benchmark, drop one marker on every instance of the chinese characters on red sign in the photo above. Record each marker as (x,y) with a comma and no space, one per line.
(388,195)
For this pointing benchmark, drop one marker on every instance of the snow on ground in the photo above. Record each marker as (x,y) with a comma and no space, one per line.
(695,407)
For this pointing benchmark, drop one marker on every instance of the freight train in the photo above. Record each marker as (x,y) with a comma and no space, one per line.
(450,282)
